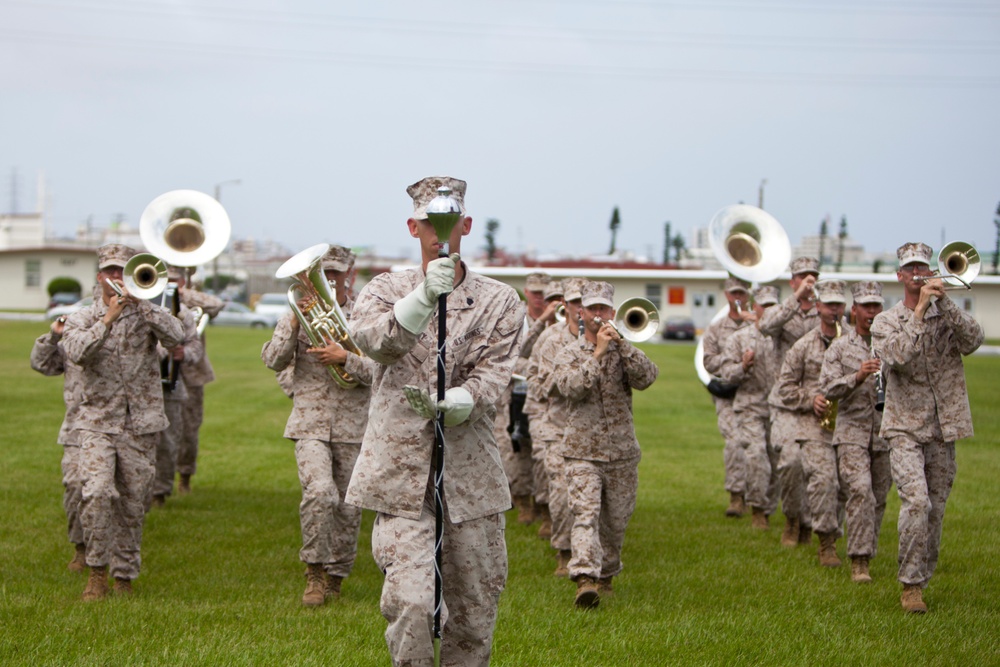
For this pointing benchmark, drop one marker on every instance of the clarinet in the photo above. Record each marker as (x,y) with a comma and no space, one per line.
(879,384)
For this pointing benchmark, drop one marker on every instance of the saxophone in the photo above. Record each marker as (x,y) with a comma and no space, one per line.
(828,422)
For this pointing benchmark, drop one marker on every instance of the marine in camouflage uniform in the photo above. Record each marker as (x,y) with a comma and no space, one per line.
(174,400)
(597,374)
(549,412)
(798,392)
(196,376)
(849,376)
(327,423)
(48,358)
(114,342)
(713,343)
(793,317)
(751,360)
(921,343)
(395,323)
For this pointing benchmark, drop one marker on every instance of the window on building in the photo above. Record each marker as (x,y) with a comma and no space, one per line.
(654,293)
(710,300)
(33,273)
(967,304)
(675,296)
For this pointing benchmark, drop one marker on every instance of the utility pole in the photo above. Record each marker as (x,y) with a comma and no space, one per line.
(215,260)
(760,193)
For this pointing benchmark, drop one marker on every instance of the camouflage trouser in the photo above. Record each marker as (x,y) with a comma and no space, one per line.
(794,503)
(118,470)
(516,465)
(754,437)
(330,526)
(474,573)
(865,475)
(734,457)
(540,473)
(562,518)
(73,491)
(823,488)
(602,498)
(194,414)
(924,474)
(166,449)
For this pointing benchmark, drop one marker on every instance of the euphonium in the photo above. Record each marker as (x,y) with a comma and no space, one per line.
(320,316)
(828,422)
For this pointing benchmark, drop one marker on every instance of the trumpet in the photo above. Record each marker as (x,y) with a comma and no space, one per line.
(561,313)
(958,265)
(320,317)
(636,320)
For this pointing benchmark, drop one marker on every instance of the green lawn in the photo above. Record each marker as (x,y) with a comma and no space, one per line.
(221,578)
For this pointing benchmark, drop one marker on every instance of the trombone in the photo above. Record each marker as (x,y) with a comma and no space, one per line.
(958,265)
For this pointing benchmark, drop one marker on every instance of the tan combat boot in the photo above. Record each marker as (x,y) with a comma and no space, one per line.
(562,563)
(759,519)
(79,562)
(737,507)
(184,487)
(790,535)
(525,510)
(123,587)
(544,530)
(913,599)
(805,534)
(97,584)
(315,594)
(159,500)
(828,550)
(859,570)
(587,594)
(332,588)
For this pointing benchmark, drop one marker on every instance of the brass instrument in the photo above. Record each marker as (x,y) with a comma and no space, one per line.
(320,317)
(561,313)
(958,265)
(145,276)
(636,320)
(828,422)
(202,318)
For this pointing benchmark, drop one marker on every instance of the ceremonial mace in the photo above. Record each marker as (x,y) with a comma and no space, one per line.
(443,212)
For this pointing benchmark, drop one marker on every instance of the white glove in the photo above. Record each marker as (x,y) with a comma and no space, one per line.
(456,406)
(414,311)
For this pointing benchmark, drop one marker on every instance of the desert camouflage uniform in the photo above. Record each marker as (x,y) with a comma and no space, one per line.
(120,418)
(794,391)
(48,358)
(862,456)
(549,413)
(393,472)
(734,457)
(600,449)
(174,400)
(788,322)
(326,423)
(926,411)
(196,376)
(752,412)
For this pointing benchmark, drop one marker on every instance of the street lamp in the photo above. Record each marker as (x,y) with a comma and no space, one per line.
(215,261)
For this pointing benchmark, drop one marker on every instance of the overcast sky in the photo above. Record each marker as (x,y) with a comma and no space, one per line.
(554,111)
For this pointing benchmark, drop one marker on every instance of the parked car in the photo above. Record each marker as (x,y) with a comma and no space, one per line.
(273,303)
(63,299)
(235,314)
(679,328)
(68,309)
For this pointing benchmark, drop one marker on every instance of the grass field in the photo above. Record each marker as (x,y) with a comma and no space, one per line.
(221,579)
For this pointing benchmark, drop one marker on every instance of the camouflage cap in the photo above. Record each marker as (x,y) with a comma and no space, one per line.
(805,265)
(554,290)
(338,258)
(573,288)
(423,191)
(914,253)
(536,282)
(867,291)
(598,292)
(113,254)
(766,295)
(734,284)
(832,291)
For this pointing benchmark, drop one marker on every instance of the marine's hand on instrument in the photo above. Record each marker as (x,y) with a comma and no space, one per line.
(456,406)
(549,314)
(868,367)
(748,360)
(58,325)
(819,405)
(806,287)
(177,353)
(748,316)
(329,355)
(414,311)
(930,291)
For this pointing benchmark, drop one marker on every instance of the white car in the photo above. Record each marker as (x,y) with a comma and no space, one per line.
(235,314)
(274,304)
(62,311)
